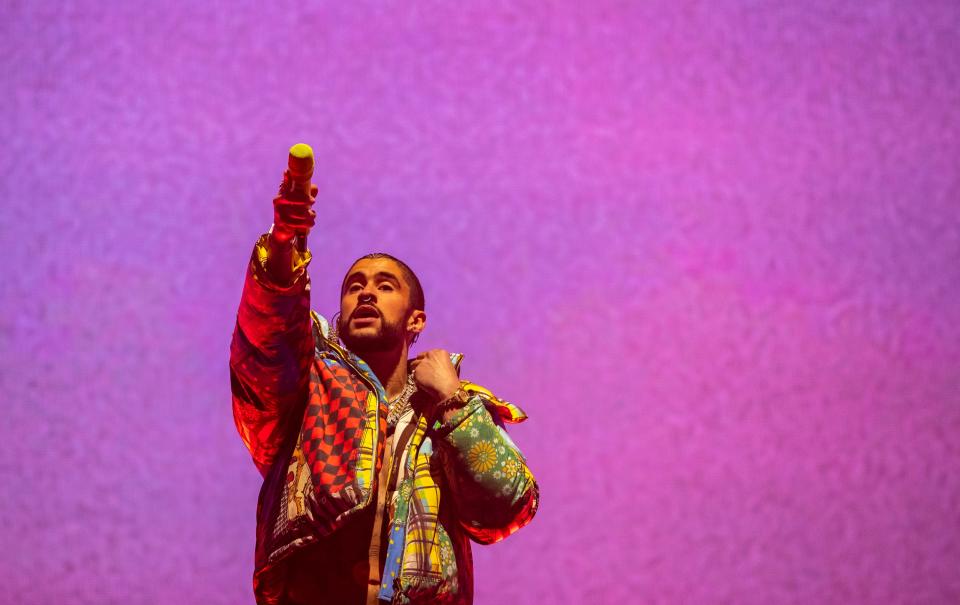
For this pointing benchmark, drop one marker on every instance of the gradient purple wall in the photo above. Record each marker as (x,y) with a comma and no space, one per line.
(711,248)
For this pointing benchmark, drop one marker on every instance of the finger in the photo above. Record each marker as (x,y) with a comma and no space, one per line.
(293,198)
(285,183)
(288,208)
(293,217)
(314,190)
(306,223)
(293,201)
(299,227)
(294,213)
(285,207)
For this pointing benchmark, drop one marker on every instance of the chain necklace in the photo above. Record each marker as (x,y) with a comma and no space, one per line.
(401,403)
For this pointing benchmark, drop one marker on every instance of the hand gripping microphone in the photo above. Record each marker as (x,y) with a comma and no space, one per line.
(300,166)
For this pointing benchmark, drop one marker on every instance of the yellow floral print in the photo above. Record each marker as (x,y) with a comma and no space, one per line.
(482,456)
(511,467)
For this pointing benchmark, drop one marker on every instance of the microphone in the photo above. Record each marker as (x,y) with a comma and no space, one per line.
(300,166)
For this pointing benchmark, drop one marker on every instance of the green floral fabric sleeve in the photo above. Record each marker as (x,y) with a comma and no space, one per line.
(494,492)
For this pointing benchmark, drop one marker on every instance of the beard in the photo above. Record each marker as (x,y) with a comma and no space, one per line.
(388,337)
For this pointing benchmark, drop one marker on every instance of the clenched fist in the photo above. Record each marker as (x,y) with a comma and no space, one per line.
(434,373)
(292,214)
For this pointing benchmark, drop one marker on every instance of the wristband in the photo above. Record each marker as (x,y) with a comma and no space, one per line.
(459,398)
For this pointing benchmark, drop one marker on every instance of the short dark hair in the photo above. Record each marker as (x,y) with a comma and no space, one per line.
(416,290)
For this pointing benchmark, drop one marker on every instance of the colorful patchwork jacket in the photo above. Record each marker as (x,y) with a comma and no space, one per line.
(313,416)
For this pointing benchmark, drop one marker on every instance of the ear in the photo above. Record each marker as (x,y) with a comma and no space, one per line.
(416,322)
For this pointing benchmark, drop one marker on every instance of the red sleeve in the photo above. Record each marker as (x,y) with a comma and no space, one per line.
(270,356)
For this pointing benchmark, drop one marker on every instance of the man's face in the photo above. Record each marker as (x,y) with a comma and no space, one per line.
(374,306)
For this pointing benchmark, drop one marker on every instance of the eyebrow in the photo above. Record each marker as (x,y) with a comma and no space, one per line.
(379,275)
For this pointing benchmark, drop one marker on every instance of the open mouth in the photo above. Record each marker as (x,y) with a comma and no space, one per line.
(367,312)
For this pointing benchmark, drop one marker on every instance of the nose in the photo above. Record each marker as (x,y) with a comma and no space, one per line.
(367,295)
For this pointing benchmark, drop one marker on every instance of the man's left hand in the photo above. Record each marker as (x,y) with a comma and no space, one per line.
(434,373)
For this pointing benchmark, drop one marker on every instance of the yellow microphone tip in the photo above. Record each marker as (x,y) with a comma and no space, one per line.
(301,151)
(300,162)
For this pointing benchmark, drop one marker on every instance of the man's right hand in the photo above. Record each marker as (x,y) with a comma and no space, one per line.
(292,214)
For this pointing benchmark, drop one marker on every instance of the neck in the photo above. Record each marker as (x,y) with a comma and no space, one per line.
(390,368)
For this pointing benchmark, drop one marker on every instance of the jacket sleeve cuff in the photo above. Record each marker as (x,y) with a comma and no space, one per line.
(259,264)
(271,315)
(444,428)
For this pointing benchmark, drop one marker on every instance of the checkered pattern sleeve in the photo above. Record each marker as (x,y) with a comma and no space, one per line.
(270,356)
(493,490)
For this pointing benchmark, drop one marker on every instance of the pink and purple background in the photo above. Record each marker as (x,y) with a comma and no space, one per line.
(712,249)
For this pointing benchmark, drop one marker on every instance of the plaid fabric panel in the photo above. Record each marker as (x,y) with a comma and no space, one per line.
(423,509)
(413,551)
(332,425)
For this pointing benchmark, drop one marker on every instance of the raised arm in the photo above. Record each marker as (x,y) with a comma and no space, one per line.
(273,345)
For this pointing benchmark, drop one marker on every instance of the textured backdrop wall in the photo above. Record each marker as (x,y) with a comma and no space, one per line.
(710,247)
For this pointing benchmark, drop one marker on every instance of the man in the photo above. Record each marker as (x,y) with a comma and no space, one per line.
(378,469)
